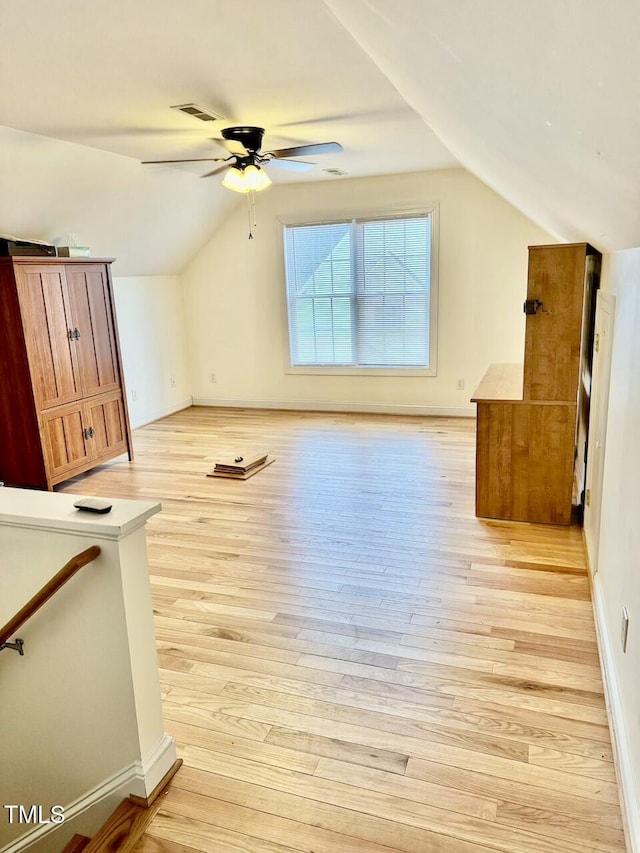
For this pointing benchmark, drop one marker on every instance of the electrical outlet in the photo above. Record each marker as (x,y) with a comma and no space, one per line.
(212,377)
(134,394)
(172,380)
(625,628)
(460,384)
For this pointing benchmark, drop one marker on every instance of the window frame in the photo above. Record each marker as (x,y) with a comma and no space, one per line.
(432,211)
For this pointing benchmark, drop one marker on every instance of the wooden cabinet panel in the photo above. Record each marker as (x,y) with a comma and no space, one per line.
(493,451)
(553,334)
(21,458)
(65,444)
(95,343)
(62,406)
(524,461)
(83,433)
(105,415)
(526,431)
(47,322)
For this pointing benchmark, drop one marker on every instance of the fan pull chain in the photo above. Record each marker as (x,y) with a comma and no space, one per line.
(251,210)
(249,215)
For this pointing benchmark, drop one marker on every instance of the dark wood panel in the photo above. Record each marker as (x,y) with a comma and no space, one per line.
(21,458)
(91,312)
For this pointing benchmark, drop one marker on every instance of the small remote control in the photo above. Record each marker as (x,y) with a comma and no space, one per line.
(93,505)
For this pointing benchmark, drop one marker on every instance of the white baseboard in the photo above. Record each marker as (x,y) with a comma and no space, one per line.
(150,417)
(628,783)
(140,778)
(155,766)
(327,406)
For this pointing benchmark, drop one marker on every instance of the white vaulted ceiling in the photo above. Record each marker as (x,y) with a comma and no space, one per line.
(537,99)
(105,73)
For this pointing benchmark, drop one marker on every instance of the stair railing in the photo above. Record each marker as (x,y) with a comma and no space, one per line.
(42,596)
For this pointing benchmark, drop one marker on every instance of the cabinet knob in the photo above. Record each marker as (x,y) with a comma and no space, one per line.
(76,334)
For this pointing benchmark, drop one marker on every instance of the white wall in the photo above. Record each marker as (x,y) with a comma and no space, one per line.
(82,706)
(153,339)
(617,582)
(234,292)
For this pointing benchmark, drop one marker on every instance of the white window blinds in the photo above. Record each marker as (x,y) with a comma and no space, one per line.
(359,292)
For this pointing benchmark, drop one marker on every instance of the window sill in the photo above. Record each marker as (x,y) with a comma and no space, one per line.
(329,370)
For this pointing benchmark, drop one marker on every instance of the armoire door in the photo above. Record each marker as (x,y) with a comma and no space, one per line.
(107,424)
(48,332)
(66,439)
(94,336)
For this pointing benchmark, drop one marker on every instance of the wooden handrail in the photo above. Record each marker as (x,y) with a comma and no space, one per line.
(50,588)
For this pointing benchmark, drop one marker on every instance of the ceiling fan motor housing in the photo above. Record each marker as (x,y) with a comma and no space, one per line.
(250,137)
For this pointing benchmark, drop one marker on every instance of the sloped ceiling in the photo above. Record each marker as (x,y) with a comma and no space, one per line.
(538,99)
(101,76)
(105,74)
(61,192)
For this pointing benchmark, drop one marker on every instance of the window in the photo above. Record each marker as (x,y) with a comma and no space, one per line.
(359,294)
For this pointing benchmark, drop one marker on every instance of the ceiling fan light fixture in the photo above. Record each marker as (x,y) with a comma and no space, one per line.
(235,180)
(256,178)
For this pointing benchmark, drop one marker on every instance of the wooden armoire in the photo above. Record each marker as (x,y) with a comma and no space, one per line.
(63,408)
(532,424)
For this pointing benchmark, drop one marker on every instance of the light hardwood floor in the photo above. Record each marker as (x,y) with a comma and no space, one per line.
(351,662)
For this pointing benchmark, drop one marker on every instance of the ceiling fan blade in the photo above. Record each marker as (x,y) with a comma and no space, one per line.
(314,148)
(215,171)
(233,146)
(193,160)
(291,165)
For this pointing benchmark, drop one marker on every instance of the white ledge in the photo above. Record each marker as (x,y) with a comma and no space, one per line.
(55,511)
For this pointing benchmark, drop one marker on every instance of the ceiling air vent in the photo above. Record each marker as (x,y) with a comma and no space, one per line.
(336,172)
(195,111)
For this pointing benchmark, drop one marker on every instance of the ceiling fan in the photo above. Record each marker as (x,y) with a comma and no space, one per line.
(243,166)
